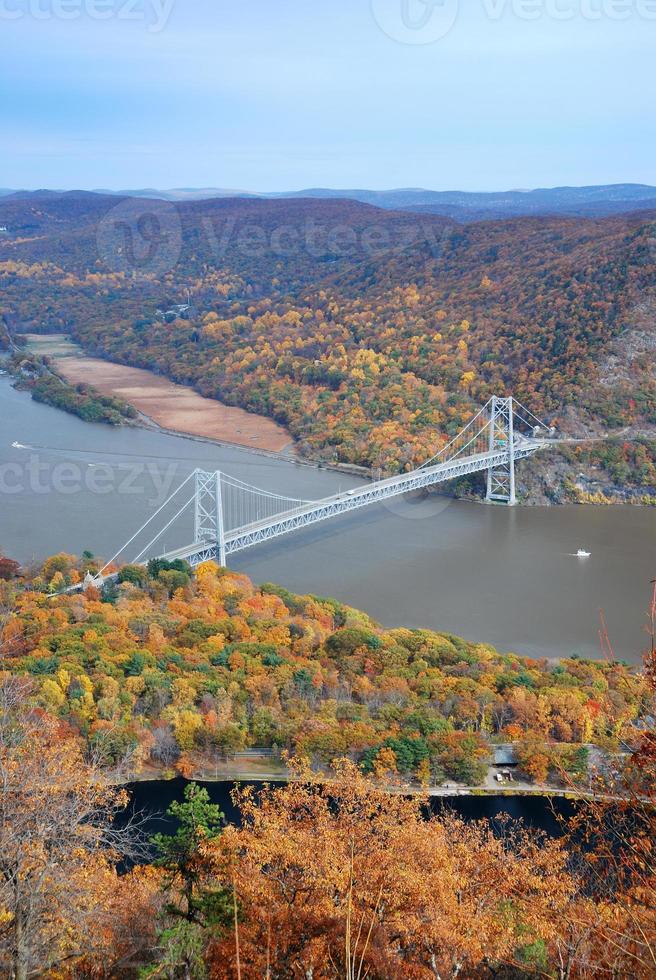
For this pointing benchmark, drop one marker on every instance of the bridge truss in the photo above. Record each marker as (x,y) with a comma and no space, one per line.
(231,516)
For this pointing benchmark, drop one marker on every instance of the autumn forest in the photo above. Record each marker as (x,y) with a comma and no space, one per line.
(328,490)
(342,872)
(371,335)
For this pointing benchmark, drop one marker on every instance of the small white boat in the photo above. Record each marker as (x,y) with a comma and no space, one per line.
(583,554)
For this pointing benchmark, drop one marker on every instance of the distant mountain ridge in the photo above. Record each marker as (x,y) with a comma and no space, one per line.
(416,196)
(369,333)
(462,206)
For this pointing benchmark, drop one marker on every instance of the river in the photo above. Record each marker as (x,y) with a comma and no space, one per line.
(150,800)
(506,576)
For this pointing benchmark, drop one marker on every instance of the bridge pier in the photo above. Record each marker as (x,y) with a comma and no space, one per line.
(501,478)
(230,515)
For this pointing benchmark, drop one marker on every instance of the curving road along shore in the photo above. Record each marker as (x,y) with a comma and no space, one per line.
(255,768)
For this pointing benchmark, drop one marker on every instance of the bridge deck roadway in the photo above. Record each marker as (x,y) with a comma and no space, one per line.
(238,539)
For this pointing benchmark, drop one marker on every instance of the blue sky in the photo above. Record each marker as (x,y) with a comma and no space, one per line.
(285,94)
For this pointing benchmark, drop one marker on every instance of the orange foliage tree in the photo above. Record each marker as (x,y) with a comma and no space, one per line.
(341,879)
(59,894)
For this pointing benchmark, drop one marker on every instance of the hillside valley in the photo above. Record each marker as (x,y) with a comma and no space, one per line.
(371,335)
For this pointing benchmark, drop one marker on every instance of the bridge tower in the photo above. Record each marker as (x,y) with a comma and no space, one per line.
(208,513)
(501,478)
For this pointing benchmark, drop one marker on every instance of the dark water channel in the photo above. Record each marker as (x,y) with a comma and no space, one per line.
(152,799)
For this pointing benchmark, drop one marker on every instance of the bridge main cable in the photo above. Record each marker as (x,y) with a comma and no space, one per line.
(146,523)
(232,515)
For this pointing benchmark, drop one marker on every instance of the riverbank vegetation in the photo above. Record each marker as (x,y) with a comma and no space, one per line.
(332,878)
(374,335)
(168,671)
(35,375)
(610,468)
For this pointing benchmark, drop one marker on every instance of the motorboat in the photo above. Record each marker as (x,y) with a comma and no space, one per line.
(583,554)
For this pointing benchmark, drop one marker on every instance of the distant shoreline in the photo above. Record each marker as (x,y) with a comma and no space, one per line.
(219,424)
(437,792)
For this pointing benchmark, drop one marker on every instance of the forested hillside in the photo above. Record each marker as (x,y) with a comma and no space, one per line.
(370,334)
(164,670)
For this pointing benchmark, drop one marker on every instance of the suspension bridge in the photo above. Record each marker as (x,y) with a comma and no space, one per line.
(230,515)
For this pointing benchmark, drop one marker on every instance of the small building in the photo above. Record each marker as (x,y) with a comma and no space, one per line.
(179,311)
(504,755)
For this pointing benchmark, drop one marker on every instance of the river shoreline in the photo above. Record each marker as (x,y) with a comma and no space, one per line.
(150,802)
(235,774)
(153,397)
(68,360)
(170,405)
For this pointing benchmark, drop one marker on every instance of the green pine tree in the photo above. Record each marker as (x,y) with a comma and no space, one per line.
(195,905)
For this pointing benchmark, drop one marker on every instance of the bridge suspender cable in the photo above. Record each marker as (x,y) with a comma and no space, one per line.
(239,484)
(519,407)
(165,528)
(232,515)
(459,436)
(146,523)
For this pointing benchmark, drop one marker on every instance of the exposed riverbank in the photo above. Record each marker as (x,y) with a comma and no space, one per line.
(421,563)
(172,407)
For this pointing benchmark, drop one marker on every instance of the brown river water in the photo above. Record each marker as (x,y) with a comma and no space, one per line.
(491,574)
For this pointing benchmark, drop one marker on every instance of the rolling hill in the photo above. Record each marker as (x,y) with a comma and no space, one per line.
(463,206)
(369,333)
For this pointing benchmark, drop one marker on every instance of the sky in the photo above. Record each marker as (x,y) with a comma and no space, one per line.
(269,95)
